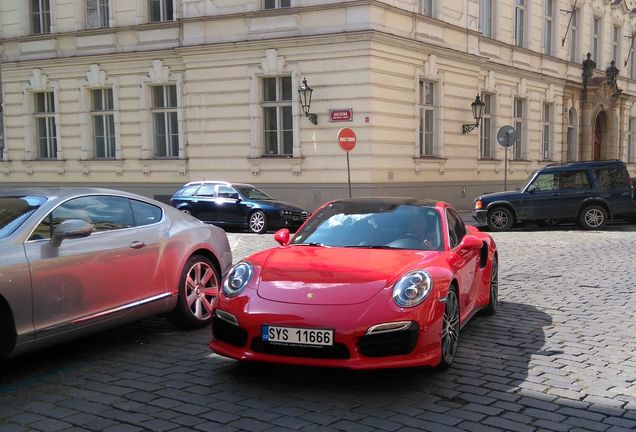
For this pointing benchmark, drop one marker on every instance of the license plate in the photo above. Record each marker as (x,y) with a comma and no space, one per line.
(297,336)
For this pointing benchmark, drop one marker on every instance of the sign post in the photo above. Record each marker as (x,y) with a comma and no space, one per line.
(347,141)
(506,137)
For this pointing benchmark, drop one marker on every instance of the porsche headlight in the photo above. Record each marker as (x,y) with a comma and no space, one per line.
(412,288)
(237,279)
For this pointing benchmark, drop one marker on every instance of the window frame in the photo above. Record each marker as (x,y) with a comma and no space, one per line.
(520,23)
(165,7)
(40,16)
(278,4)
(518,147)
(424,107)
(571,135)
(549,24)
(573,45)
(279,104)
(487,18)
(547,130)
(631,139)
(617,34)
(102,17)
(168,121)
(452,228)
(487,126)
(50,125)
(426,7)
(107,116)
(597,32)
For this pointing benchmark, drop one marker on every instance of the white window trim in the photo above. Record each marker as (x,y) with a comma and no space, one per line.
(272,66)
(631,139)
(434,7)
(617,44)
(494,98)
(159,75)
(524,128)
(599,54)
(577,38)
(554,30)
(95,80)
(493,19)
(39,82)
(575,134)
(143,14)
(526,29)
(24,10)
(81,14)
(551,137)
(431,73)
(292,3)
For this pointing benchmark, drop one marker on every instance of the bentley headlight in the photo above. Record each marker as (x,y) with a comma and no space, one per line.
(237,279)
(412,288)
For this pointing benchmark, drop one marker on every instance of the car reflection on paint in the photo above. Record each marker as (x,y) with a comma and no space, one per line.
(78,260)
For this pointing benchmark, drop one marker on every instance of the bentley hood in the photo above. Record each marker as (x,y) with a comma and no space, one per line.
(327,276)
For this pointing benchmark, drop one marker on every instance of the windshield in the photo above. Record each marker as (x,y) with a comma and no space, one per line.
(373,225)
(251,192)
(15,210)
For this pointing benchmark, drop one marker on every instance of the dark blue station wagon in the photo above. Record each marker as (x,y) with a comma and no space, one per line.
(589,193)
(237,205)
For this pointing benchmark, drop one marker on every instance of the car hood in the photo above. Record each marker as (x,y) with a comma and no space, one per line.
(500,196)
(329,276)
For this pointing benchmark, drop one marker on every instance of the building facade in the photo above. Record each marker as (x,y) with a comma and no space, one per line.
(145,95)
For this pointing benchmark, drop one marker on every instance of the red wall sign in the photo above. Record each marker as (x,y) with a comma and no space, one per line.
(347,139)
(340,115)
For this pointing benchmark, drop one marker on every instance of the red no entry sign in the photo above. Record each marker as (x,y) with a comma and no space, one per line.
(347,139)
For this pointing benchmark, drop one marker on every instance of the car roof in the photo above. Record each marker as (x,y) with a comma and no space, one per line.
(219,182)
(380,200)
(580,165)
(64,192)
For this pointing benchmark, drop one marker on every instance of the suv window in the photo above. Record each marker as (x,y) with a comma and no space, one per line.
(574,180)
(610,177)
(546,182)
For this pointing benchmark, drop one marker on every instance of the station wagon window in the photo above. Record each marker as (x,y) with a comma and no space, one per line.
(188,191)
(206,190)
(610,177)
(144,213)
(456,228)
(227,192)
(574,180)
(546,182)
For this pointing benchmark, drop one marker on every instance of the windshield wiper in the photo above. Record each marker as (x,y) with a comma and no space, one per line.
(311,244)
(371,247)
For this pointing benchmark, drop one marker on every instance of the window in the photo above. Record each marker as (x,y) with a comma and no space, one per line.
(165,122)
(547,132)
(97,13)
(631,140)
(144,213)
(596,38)
(573,43)
(46,133)
(103,120)
(160,10)
(548,181)
(520,22)
(227,192)
(487,13)
(519,109)
(616,44)
(206,190)
(427,118)
(571,136)
(632,65)
(485,131)
(456,228)
(277,116)
(548,25)
(426,7)
(40,16)
(574,180)
(275,4)
(610,177)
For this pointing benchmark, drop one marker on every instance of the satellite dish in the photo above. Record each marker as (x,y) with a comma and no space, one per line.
(506,136)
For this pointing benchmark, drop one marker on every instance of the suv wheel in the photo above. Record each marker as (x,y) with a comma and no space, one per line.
(593,217)
(500,219)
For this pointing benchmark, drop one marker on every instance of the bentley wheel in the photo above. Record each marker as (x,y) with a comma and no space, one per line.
(450,329)
(258,222)
(593,217)
(500,219)
(198,286)
(493,303)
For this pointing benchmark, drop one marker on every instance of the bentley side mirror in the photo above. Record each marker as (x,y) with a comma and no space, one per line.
(71,229)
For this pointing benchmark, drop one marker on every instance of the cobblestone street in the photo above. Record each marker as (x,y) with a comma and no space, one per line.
(560,355)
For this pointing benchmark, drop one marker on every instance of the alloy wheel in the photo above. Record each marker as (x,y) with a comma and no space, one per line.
(594,218)
(257,222)
(201,287)
(450,328)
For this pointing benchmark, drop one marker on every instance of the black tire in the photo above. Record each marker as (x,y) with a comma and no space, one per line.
(500,219)
(593,217)
(199,284)
(450,329)
(257,222)
(493,302)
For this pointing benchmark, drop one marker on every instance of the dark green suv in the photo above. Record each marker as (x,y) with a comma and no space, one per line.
(590,193)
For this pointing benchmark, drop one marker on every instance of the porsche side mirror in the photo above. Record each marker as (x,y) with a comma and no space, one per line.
(471,242)
(71,229)
(282,236)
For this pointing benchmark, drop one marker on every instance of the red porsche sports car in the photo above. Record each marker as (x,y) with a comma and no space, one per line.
(364,283)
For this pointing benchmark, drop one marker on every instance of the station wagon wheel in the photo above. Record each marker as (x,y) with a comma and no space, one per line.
(450,329)
(500,219)
(493,303)
(258,222)
(198,286)
(593,217)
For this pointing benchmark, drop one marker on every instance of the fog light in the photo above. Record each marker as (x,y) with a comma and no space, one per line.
(227,317)
(389,327)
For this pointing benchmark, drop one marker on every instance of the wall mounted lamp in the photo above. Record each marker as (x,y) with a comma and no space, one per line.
(478,110)
(304,91)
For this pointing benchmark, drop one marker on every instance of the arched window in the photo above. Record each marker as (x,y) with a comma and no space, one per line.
(571,150)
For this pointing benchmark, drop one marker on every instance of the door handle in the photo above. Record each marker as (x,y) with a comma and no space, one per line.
(137,244)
